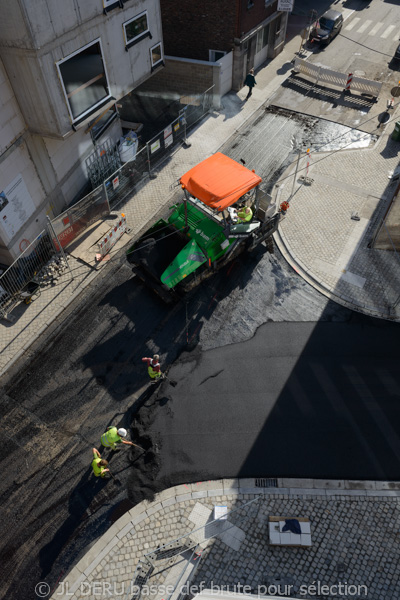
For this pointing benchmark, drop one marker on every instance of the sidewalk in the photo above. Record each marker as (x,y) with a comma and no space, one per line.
(353,524)
(318,237)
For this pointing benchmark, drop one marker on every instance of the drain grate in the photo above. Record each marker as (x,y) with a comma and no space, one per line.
(271,482)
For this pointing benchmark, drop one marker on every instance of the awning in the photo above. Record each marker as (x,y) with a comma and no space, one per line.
(219,181)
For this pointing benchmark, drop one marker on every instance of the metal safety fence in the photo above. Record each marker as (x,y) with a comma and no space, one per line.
(121,185)
(23,279)
(170,567)
(113,190)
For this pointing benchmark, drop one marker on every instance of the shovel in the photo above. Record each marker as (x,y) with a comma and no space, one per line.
(116,481)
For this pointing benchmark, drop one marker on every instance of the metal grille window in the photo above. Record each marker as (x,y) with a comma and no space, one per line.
(136,29)
(84,80)
(156,55)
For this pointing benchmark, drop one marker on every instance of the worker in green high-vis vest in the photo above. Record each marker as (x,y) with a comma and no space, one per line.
(99,465)
(245,215)
(113,436)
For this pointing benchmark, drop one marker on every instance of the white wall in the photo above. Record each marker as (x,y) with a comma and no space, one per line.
(11,121)
(225,76)
(58,29)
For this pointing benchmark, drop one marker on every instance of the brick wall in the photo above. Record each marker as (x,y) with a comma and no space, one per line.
(192,28)
(252,13)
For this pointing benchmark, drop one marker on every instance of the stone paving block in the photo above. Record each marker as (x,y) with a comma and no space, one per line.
(154,508)
(247,482)
(295,482)
(302,491)
(340,493)
(214,493)
(330,484)
(122,533)
(139,519)
(229,484)
(207,485)
(184,497)
(354,484)
(199,494)
(276,491)
(388,485)
(383,493)
(169,502)
(136,510)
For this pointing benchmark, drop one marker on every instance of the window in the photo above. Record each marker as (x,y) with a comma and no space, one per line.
(215,55)
(265,36)
(84,80)
(108,4)
(156,55)
(136,29)
(262,38)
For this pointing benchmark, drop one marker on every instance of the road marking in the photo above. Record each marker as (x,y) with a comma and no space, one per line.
(378,416)
(374,30)
(388,31)
(352,24)
(388,381)
(364,26)
(299,395)
(339,405)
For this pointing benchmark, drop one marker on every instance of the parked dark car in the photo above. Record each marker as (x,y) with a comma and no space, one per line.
(397,53)
(327,27)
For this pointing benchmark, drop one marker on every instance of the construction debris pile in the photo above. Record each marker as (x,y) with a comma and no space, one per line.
(50,272)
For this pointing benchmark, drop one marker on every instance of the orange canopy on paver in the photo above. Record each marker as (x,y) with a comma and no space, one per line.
(219,181)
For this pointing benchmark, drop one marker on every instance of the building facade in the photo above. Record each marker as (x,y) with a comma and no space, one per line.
(254,30)
(64,64)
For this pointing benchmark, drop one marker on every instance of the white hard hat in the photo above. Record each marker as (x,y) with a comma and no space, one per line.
(122,432)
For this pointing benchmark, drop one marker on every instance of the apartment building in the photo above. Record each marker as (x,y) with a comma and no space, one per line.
(252,30)
(64,64)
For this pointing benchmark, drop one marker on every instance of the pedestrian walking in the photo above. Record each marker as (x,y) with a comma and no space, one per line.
(153,368)
(99,465)
(250,81)
(113,436)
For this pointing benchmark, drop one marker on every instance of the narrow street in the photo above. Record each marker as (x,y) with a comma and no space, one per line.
(272,379)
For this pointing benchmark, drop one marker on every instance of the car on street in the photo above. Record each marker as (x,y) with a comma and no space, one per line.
(327,27)
(397,53)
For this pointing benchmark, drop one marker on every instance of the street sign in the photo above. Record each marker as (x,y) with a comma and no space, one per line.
(285,5)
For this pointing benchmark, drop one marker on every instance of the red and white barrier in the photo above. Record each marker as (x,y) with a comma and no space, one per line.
(112,237)
(349,80)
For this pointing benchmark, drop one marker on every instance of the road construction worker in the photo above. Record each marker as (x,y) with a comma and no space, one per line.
(99,465)
(245,214)
(153,367)
(113,436)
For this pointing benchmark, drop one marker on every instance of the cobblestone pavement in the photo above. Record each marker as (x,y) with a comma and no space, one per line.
(355,543)
(335,257)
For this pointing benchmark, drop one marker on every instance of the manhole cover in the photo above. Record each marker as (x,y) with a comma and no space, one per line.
(395,92)
(384,117)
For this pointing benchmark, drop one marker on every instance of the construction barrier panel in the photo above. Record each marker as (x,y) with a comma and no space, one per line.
(324,75)
(112,237)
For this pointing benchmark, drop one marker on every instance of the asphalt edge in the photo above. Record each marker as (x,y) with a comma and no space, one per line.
(324,488)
